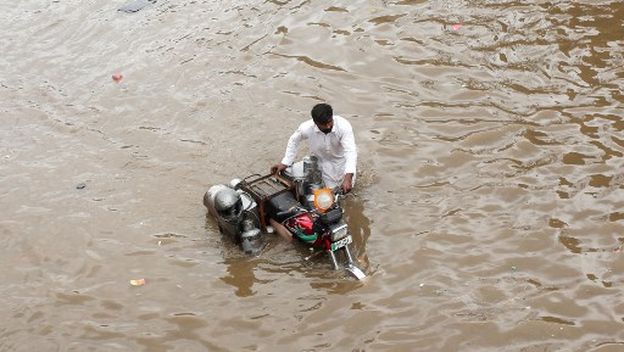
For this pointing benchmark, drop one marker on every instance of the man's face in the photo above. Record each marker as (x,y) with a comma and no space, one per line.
(326,127)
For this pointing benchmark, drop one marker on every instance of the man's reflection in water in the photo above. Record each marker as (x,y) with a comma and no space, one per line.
(359,226)
(240,268)
(241,275)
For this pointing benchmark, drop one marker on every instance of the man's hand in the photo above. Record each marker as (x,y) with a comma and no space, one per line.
(277,168)
(347,183)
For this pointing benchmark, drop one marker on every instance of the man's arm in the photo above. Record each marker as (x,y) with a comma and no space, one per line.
(293,147)
(348,143)
(347,183)
(291,151)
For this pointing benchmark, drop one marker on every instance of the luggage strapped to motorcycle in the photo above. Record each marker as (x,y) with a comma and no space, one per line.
(262,188)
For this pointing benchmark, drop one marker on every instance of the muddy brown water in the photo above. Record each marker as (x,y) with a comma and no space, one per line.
(489,206)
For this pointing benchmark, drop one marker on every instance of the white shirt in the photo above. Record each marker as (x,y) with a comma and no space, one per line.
(336,150)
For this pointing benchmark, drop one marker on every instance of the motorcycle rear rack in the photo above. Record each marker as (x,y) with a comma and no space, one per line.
(262,188)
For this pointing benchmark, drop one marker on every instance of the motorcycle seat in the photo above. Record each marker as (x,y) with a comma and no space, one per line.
(279,206)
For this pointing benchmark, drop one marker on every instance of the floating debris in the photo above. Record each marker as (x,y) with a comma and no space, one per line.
(117,77)
(135,5)
(137,282)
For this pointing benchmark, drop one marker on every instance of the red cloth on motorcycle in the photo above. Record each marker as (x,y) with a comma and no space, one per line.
(303,222)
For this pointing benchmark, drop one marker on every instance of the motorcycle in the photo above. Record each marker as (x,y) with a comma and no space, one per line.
(295,199)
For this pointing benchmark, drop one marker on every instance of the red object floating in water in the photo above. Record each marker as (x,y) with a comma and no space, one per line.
(117,77)
(456,26)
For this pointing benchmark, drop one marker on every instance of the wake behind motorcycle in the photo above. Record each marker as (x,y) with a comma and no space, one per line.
(296,200)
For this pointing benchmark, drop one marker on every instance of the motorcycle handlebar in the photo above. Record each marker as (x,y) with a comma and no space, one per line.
(339,193)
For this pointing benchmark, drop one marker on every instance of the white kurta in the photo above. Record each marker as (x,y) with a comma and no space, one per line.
(336,150)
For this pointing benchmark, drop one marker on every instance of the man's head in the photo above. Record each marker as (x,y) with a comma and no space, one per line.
(323,117)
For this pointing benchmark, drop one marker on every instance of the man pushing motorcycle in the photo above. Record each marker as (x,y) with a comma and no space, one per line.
(330,138)
(303,202)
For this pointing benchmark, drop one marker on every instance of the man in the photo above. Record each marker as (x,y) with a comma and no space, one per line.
(330,138)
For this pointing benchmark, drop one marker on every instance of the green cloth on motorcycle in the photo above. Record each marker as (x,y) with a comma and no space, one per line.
(306,238)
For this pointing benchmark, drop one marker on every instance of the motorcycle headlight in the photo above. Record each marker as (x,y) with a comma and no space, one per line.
(323,199)
(339,231)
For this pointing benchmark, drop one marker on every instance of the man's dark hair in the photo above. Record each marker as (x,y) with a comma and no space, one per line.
(322,113)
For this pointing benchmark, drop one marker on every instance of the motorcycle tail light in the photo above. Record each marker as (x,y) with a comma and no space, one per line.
(339,232)
(323,199)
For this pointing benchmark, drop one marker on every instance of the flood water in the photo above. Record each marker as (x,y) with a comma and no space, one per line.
(488,211)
